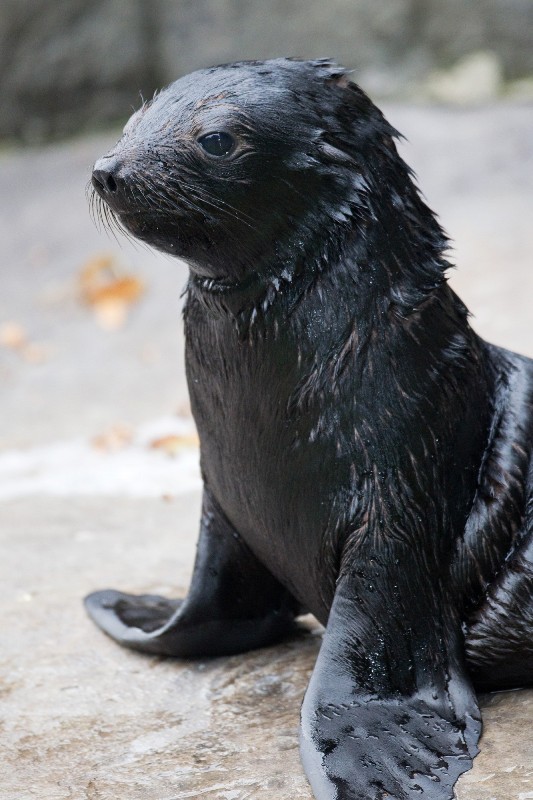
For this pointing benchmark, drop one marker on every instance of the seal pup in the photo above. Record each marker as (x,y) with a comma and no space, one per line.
(366,456)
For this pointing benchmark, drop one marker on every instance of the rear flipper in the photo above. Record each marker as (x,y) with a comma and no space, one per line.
(389,712)
(499,640)
(234,603)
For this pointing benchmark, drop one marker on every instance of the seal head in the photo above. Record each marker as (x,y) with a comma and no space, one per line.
(247,170)
(228,163)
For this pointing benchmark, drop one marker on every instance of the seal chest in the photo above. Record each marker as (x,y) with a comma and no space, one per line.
(365,455)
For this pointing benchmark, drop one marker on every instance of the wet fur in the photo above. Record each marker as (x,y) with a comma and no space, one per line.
(371,451)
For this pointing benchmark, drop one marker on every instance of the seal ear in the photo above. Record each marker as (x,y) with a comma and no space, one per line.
(335,155)
(328,69)
(387,714)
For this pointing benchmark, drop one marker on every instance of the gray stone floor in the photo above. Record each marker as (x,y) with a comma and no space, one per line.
(81,718)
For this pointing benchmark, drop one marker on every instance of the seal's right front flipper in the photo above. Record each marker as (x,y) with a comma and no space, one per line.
(390,711)
(365,748)
(234,603)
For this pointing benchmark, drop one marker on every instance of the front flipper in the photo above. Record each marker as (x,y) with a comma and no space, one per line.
(390,711)
(234,603)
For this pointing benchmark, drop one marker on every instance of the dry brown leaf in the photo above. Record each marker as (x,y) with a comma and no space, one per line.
(125,290)
(115,438)
(109,290)
(174,443)
(13,335)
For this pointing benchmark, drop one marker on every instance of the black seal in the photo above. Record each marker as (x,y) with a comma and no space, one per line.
(366,456)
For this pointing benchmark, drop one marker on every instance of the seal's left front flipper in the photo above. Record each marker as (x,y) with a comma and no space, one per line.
(234,604)
(390,711)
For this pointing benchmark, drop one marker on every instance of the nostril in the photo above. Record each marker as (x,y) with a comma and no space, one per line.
(105,179)
(97,182)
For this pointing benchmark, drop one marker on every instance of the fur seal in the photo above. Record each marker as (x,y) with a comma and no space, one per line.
(366,456)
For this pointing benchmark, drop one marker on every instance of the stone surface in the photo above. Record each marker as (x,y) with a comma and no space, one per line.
(69,66)
(80,717)
(66,66)
(83,718)
(392,46)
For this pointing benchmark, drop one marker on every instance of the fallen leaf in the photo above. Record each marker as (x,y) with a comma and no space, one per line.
(115,438)
(174,443)
(109,289)
(13,335)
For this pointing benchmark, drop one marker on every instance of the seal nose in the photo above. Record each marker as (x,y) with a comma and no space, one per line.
(104,176)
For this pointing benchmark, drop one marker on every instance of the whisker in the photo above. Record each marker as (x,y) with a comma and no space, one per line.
(217,203)
(193,173)
(240,215)
(168,197)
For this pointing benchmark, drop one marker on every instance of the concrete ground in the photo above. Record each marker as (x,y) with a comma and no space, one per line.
(99,486)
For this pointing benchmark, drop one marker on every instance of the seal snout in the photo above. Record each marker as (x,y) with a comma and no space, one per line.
(112,181)
(107,176)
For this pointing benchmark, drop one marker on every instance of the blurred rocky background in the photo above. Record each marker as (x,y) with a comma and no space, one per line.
(72,65)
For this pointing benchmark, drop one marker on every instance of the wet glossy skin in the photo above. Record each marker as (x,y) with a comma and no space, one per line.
(365,455)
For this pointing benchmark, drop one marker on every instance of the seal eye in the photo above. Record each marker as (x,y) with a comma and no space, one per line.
(218,143)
